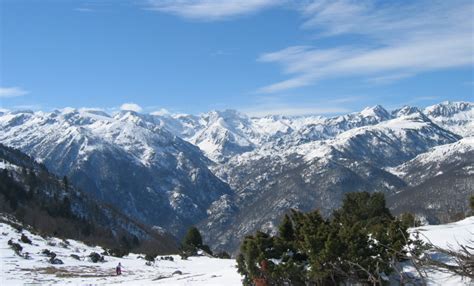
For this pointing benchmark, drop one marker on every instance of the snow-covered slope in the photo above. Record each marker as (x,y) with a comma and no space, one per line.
(225,134)
(450,235)
(440,182)
(15,269)
(438,160)
(445,236)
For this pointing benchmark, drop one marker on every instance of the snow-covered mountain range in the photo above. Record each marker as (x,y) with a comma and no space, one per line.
(233,174)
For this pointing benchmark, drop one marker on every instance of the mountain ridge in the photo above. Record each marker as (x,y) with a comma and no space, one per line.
(221,169)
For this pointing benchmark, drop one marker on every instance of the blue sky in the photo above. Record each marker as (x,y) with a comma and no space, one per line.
(257,56)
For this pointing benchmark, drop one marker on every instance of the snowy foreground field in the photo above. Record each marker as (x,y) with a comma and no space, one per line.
(447,236)
(16,270)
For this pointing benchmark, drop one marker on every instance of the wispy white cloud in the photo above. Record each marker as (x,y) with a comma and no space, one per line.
(396,41)
(84,9)
(347,99)
(131,106)
(210,10)
(12,92)
(389,78)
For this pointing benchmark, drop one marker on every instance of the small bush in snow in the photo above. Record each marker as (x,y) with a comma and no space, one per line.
(118,252)
(169,258)
(15,246)
(150,257)
(75,256)
(54,260)
(222,255)
(96,257)
(64,244)
(48,253)
(25,239)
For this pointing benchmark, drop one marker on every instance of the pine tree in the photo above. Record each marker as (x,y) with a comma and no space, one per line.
(408,220)
(471,203)
(312,250)
(286,229)
(193,238)
(363,207)
(192,241)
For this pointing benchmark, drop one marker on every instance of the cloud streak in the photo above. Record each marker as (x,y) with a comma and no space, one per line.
(210,10)
(12,92)
(131,106)
(399,42)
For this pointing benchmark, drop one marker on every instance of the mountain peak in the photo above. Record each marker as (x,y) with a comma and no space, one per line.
(67,110)
(375,111)
(448,108)
(227,115)
(123,113)
(405,110)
